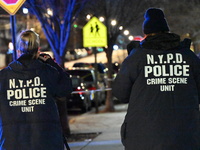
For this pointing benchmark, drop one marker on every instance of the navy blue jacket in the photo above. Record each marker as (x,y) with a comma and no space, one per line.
(29,118)
(161,82)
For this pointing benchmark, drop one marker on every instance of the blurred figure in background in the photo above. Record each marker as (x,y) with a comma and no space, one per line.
(9,54)
(132,45)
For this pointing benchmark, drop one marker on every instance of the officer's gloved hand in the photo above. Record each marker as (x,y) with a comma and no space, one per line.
(44,57)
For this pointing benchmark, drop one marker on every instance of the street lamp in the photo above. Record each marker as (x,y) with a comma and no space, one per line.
(113,22)
(88,17)
(49,12)
(121,28)
(25,11)
(115,47)
(101,19)
(126,32)
(130,37)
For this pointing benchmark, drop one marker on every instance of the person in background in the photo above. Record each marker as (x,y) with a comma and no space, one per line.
(29,118)
(132,45)
(160,81)
(9,53)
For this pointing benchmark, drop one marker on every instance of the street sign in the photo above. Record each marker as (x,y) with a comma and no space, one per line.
(11,6)
(94,34)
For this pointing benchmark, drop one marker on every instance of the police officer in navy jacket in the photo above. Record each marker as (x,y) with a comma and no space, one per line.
(161,82)
(29,118)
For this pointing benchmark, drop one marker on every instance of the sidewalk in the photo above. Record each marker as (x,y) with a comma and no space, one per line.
(107,123)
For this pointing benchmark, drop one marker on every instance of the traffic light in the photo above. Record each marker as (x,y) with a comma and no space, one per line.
(75,26)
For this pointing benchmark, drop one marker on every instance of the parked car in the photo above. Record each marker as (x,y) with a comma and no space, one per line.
(70,55)
(101,69)
(81,52)
(75,54)
(78,98)
(89,51)
(88,79)
(115,68)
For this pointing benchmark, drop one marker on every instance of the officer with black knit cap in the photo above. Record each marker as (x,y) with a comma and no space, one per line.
(155,21)
(161,82)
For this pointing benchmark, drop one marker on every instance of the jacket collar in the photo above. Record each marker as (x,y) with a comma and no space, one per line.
(163,41)
(25,62)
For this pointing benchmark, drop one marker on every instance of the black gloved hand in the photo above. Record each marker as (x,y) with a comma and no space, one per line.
(44,57)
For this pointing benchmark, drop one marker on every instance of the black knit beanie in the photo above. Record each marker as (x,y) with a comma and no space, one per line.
(154,21)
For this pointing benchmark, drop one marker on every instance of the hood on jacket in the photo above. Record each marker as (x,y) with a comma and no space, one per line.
(163,41)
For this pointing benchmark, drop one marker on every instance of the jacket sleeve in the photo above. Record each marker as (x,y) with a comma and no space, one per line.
(63,77)
(64,85)
(123,83)
(198,85)
(197,75)
(63,81)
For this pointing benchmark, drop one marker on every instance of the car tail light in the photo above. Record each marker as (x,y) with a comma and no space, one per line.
(79,89)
